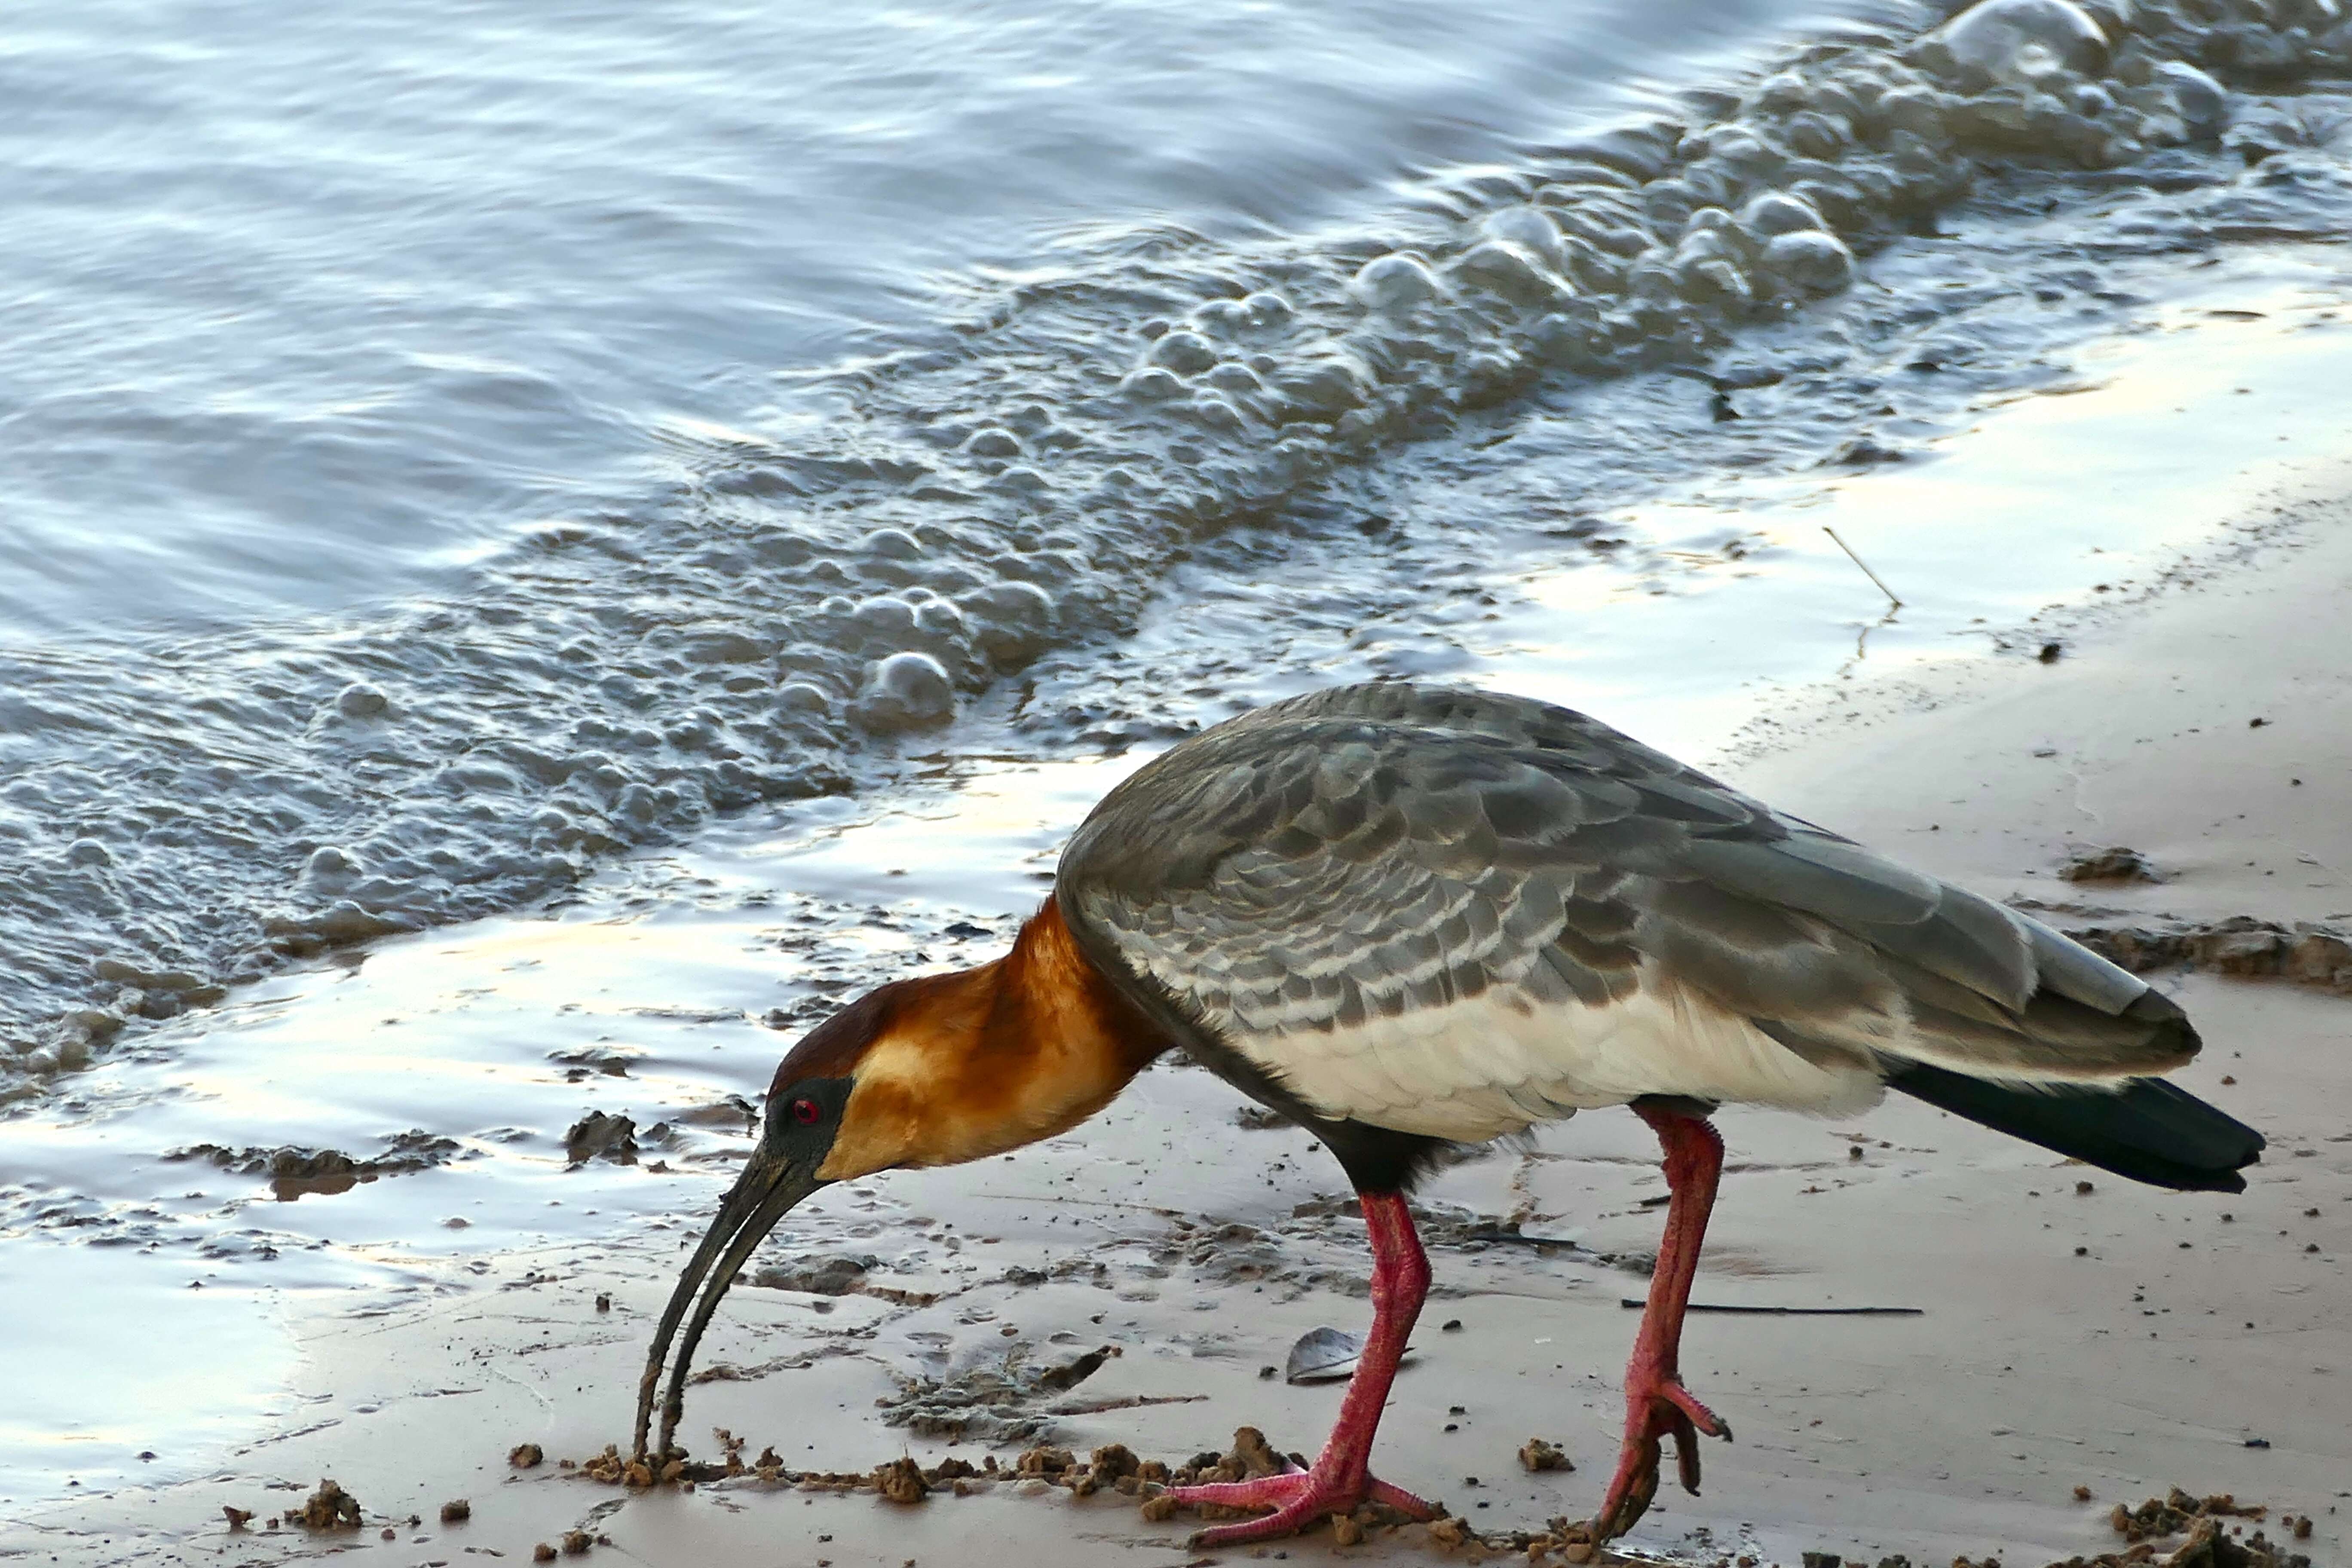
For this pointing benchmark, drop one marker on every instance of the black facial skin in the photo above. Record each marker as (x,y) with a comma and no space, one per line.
(795,1139)
(788,1134)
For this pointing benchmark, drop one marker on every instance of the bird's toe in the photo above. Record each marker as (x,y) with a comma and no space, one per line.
(1298,1499)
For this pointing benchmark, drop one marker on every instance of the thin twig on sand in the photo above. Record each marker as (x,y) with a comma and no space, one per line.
(1892,598)
(1636,1304)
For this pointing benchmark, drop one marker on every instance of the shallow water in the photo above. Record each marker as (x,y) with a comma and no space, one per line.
(1027,442)
(540,490)
(308,310)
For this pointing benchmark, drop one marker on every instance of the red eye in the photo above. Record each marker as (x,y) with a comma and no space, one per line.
(806,1112)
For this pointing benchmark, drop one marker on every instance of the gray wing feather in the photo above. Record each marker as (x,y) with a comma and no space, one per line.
(1379,851)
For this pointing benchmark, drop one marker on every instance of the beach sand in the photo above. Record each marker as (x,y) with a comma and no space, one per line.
(2121,1340)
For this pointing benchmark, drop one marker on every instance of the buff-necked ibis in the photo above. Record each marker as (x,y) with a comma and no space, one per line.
(1410,918)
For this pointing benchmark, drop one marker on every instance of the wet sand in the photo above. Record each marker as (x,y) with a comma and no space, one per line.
(2120,1340)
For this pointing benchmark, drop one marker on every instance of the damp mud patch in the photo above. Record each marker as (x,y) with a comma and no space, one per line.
(997,1402)
(295,1172)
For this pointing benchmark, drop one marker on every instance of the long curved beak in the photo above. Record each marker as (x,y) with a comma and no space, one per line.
(764,1193)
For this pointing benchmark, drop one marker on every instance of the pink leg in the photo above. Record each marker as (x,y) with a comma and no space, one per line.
(1656,1402)
(1341,1477)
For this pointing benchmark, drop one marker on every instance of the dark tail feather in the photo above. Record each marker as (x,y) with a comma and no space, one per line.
(2148,1129)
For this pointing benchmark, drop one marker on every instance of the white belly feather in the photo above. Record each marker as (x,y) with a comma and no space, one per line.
(1496,1064)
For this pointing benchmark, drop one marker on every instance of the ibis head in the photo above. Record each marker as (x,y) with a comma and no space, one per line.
(930,1071)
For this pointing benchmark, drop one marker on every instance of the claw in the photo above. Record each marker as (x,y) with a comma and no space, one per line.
(1664,1409)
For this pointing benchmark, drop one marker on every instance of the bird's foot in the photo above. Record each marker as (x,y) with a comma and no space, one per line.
(1656,1407)
(1298,1499)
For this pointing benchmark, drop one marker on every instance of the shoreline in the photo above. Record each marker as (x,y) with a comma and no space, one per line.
(1960,1432)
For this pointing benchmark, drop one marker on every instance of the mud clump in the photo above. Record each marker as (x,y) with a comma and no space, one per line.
(2207,1543)
(2175,1512)
(1047,1462)
(901,1480)
(297,1173)
(2207,1546)
(611,1470)
(600,1136)
(1537,1455)
(1113,1467)
(329,1507)
(1570,1541)
(841,1276)
(1251,1456)
(2116,863)
(2307,954)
